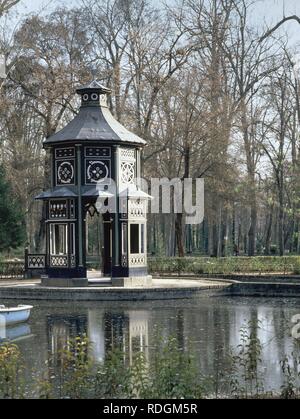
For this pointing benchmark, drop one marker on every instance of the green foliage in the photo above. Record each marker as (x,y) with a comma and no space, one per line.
(296,267)
(12,225)
(44,389)
(11,369)
(75,379)
(246,368)
(112,377)
(11,269)
(171,374)
(290,367)
(140,381)
(226,266)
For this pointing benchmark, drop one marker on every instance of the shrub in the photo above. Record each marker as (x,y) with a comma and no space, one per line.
(11,368)
(246,375)
(171,374)
(227,265)
(75,374)
(11,269)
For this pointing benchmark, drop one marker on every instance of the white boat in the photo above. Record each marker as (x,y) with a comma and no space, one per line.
(14,315)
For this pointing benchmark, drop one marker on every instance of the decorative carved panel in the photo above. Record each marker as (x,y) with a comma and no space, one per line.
(127,172)
(124,261)
(97,171)
(127,166)
(58,209)
(62,153)
(97,152)
(65,173)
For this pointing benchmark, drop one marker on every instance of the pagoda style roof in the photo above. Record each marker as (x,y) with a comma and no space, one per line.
(94,122)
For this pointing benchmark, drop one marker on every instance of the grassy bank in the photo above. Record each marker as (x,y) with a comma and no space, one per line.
(226,265)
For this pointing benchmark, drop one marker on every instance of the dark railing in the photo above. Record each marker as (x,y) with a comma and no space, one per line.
(12,269)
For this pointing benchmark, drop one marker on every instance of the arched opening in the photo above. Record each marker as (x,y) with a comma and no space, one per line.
(98,242)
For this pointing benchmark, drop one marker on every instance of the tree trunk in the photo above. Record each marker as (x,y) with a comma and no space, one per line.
(269,233)
(179,234)
(117,88)
(220,231)
(281,225)
(179,217)
(252,229)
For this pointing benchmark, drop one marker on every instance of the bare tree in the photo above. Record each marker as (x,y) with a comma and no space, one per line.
(277,142)
(249,60)
(6,5)
(270,31)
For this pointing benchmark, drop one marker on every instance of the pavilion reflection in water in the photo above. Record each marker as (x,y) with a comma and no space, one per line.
(126,331)
(210,327)
(61,329)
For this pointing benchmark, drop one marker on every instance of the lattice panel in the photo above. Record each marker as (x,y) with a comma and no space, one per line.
(59,261)
(136,209)
(36,261)
(137,260)
(127,154)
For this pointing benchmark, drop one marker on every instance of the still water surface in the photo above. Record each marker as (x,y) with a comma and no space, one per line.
(212,325)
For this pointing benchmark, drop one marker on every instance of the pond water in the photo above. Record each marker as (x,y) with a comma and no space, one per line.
(212,324)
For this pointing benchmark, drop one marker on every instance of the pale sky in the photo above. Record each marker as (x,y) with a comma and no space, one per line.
(272,11)
(265,11)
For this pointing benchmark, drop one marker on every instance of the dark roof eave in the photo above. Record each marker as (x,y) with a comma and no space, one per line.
(93,86)
(110,142)
(59,192)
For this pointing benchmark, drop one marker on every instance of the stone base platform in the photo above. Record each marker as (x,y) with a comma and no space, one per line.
(143,281)
(133,281)
(161,289)
(64,282)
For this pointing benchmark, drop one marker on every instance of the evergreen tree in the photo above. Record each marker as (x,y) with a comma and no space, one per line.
(12,220)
